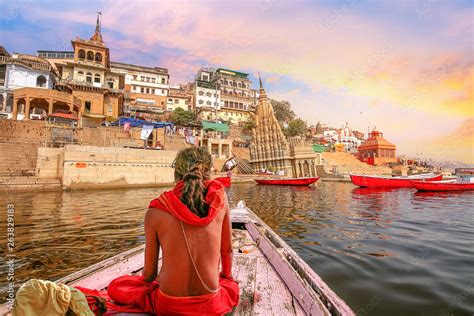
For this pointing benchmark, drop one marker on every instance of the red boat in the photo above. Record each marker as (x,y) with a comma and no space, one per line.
(226,181)
(288,181)
(391,182)
(447,185)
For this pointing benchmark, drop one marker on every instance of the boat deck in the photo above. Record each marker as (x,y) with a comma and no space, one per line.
(273,279)
(262,291)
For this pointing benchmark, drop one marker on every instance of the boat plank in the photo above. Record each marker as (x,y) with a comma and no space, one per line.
(244,272)
(272,297)
(310,302)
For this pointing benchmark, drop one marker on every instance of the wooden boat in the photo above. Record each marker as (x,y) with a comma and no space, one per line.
(273,278)
(447,185)
(390,182)
(226,181)
(288,181)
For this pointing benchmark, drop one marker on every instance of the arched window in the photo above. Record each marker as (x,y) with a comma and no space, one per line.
(97,78)
(110,83)
(98,57)
(80,75)
(41,81)
(89,77)
(90,55)
(81,54)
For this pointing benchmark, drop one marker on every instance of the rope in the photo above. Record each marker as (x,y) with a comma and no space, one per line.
(194,264)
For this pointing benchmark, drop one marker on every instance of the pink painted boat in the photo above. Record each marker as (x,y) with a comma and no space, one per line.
(391,182)
(226,181)
(288,181)
(266,267)
(447,185)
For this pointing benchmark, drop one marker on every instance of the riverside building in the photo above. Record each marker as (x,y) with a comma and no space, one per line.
(145,89)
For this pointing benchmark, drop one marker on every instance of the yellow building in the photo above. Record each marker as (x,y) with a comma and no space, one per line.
(89,77)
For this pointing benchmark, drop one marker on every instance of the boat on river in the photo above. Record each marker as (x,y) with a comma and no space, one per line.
(288,181)
(273,278)
(446,185)
(226,181)
(366,181)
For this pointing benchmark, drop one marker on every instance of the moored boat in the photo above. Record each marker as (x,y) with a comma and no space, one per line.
(226,181)
(391,182)
(447,185)
(273,278)
(288,181)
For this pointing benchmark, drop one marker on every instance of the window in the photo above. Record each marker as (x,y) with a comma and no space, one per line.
(110,82)
(176,101)
(152,91)
(201,93)
(208,103)
(81,54)
(170,100)
(110,107)
(90,55)
(235,84)
(98,57)
(147,79)
(226,82)
(205,78)
(226,103)
(147,90)
(41,81)
(244,86)
(201,101)
(240,85)
(88,106)
(153,80)
(134,88)
(163,80)
(89,77)
(135,77)
(97,78)
(80,73)
(142,90)
(163,92)
(208,94)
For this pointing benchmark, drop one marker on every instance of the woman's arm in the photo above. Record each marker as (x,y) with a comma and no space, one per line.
(152,247)
(226,245)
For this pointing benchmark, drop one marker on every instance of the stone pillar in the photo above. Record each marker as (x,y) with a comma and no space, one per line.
(50,108)
(219,152)
(27,109)
(15,109)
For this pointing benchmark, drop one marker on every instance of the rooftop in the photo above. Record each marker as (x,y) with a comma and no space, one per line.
(232,72)
(157,70)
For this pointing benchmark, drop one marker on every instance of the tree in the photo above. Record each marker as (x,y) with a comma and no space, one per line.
(182,117)
(296,127)
(283,111)
(248,126)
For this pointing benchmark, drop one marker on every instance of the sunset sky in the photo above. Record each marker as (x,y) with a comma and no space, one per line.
(407,66)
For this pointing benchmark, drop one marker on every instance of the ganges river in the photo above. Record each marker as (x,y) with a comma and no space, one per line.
(384,252)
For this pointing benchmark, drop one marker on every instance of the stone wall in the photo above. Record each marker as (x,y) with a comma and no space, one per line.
(35,132)
(17,159)
(82,167)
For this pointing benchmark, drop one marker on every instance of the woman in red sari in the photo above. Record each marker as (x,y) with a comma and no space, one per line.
(191,224)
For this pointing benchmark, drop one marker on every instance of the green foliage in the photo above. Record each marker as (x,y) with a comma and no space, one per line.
(296,127)
(290,124)
(283,111)
(249,125)
(182,117)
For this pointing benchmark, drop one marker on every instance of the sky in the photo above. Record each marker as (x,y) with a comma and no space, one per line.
(404,67)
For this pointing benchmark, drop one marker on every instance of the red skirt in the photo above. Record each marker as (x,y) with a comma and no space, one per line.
(131,293)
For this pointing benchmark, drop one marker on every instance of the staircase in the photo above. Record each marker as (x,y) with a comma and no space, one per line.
(18,159)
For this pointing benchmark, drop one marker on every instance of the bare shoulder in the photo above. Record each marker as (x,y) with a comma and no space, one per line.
(153,215)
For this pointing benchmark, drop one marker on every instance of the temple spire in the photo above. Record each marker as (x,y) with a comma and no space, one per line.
(97,36)
(97,25)
(263,94)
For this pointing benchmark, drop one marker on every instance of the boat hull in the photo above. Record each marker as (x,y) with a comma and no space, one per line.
(291,181)
(442,186)
(226,181)
(386,182)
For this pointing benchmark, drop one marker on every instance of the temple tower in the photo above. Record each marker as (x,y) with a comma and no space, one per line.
(269,149)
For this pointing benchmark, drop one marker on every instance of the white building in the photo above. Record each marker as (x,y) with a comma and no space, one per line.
(206,90)
(22,71)
(177,98)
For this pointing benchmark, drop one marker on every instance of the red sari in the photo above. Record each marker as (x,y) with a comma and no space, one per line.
(133,294)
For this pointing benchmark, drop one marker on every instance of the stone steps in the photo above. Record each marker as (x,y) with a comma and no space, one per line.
(18,159)
(28,183)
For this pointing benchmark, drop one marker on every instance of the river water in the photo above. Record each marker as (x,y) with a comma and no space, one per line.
(386,252)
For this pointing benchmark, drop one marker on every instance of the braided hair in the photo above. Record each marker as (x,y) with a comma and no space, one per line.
(193,166)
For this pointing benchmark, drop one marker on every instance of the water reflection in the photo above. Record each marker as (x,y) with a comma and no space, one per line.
(415,249)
